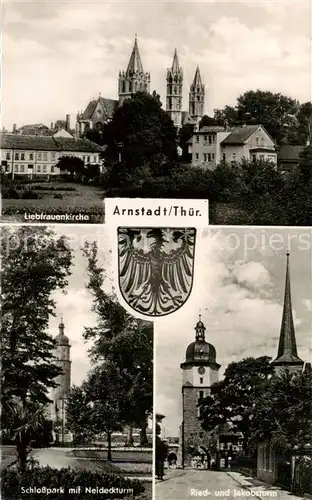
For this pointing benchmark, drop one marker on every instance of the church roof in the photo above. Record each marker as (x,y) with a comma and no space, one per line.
(109,106)
(61,338)
(200,352)
(197,82)
(135,63)
(287,348)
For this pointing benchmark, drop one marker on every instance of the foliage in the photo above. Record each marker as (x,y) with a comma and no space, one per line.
(124,342)
(207,121)
(303,476)
(276,112)
(232,400)
(283,412)
(46,477)
(71,164)
(141,132)
(35,263)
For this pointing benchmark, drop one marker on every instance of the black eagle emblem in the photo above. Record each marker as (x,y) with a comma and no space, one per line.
(156,268)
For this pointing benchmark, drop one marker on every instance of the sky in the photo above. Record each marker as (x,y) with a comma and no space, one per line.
(75,307)
(57,55)
(239,290)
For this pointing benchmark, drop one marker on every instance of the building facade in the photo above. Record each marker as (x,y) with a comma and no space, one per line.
(212,145)
(37,156)
(199,371)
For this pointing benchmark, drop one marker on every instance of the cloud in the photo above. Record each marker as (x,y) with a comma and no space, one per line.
(241,303)
(50,48)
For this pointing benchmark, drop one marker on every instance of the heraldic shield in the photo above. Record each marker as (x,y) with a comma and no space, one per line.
(156,267)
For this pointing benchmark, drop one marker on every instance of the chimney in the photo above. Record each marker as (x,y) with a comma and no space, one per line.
(67,126)
(14,128)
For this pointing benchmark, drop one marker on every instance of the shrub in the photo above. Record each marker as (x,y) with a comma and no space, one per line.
(9,193)
(45,477)
(303,476)
(30,195)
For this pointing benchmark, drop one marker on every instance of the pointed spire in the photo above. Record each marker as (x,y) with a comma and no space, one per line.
(200,329)
(175,63)
(135,63)
(61,327)
(287,348)
(197,82)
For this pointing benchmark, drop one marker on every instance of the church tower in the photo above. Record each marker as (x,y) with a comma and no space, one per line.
(62,354)
(197,98)
(200,371)
(174,91)
(287,357)
(134,79)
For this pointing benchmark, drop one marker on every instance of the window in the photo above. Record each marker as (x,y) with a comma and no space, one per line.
(205,138)
(22,156)
(201,394)
(261,141)
(31,156)
(84,158)
(16,156)
(257,141)
(38,168)
(44,168)
(8,156)
(16,168)
(209,156)
(39,155)
(254,158)
(197,138)
(196,156)
(205,156)
(52,156)
(45,156)
(88,159)
(52,169)
(94,159)
(210,139)
(201,380)
(22,169)
(223,156)
(212,156)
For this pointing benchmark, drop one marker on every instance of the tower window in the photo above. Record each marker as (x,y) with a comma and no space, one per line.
(201,380)
(201,394)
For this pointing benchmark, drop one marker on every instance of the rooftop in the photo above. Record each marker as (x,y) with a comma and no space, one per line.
(239,135)
(47,143)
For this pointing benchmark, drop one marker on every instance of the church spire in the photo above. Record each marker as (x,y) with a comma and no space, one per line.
(175,63)
(61,327)
(200,329)
(197,82)
(135,63)
(287,349)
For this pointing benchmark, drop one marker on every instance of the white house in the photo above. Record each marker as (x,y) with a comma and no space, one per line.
(212,145)
(37,156)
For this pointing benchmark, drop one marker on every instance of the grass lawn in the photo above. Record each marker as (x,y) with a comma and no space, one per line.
(86,199)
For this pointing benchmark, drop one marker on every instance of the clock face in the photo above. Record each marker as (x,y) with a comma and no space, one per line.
(201,370)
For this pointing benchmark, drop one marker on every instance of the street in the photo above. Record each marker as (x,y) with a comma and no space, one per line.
(195,484)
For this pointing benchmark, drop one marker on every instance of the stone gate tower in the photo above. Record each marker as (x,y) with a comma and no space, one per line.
(59,394)
(200,371)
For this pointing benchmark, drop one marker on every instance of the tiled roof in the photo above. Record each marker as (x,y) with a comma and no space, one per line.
(109,106)
(239,135)
(289,153)
(212,128)
(47,143)
(197,82)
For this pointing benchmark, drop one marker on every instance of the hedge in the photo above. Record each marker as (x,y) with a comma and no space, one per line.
(55,484)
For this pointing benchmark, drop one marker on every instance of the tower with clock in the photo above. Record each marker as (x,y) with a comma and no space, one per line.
(199,372)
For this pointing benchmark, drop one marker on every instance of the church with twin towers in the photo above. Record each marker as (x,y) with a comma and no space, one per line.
(134,79)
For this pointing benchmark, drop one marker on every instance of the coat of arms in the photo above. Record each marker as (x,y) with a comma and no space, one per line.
(156,268)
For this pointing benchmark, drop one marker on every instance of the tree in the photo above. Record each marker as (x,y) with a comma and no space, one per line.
(72,164)
(34,265)
(185,133)
(140,133)
(276,112)
(207,121)
(123,341)
(232,400)
(283,411)
(97,408)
